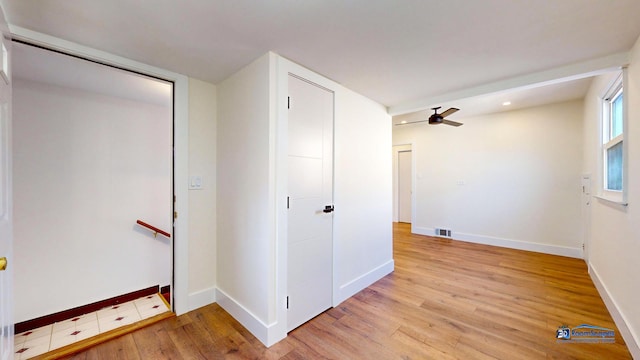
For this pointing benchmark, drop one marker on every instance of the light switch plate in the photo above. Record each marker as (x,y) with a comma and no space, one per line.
(195,182)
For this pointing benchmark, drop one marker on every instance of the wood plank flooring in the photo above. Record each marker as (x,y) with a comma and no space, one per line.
(445,300)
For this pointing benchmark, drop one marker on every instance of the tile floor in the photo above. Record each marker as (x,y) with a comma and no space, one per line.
(39,341)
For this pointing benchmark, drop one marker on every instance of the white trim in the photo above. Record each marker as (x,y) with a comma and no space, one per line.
(362,282)
(630,338)
(281,190)
(557,75)
(625,131)
(611,200)
(179,286)
(618,85)
(508,243)
(202,298)
(181,179)
(267,334)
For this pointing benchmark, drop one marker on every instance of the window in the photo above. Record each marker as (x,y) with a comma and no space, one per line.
(613,149)
(614,133)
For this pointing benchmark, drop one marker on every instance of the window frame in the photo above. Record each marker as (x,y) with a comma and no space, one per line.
(617,88)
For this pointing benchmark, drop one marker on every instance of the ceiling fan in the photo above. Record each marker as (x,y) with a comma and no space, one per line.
(436,119)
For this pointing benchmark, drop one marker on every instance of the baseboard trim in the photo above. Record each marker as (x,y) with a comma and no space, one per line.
(508,243)
(362,282)
(84,309)
(263,332)
(633,344)
(201,298)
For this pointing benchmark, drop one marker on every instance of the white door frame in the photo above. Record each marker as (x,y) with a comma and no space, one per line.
(394,153)
(277,329)
(7,299)
(586,199)
(180,238)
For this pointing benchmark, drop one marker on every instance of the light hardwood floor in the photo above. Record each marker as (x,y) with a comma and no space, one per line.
(445,300)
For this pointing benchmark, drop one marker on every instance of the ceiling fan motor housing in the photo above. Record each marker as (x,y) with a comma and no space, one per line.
(435,119)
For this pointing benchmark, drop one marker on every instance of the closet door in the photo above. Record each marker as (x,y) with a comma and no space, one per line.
(310,213)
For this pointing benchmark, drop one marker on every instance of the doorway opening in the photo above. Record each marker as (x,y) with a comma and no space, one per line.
(402,184)
(93,153)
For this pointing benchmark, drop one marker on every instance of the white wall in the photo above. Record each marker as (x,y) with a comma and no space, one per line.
(86,167)
(363,194)
(202,202)
(509,179)
(252,173)
(614,237)
(245,228)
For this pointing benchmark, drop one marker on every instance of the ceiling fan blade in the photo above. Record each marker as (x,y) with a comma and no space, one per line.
(449,112)
(411,122)
(452,123)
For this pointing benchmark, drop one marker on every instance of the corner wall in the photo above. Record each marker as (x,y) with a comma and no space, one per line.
(509,179)
(252,179)
(245,230)
(202,202)
(614,239)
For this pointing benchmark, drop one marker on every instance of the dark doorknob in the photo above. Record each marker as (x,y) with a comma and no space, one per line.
(328,209)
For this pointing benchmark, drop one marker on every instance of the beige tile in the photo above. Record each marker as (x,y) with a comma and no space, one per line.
(150,307)
(107,326)
(91,317)
(63,333)
(36,333)
(145,300)
(126,307)
(88,325)
(18,340)
(37,341)
(61,340)
(132,315)
(63,326)
(112,322)
(32,350)
(87,333)
(107,312)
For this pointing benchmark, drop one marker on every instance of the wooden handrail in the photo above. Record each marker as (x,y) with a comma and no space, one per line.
(155,230)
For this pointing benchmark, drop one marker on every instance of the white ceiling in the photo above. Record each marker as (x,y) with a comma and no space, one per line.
(518,99)
(396,52)
(44,66)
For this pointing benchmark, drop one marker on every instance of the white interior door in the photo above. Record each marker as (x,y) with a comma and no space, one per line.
(404,186)
(310,229)
(586,213)
(6,220)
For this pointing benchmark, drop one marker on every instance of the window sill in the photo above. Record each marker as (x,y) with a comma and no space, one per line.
(612,200)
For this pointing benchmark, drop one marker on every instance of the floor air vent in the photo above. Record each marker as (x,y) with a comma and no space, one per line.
(443,232)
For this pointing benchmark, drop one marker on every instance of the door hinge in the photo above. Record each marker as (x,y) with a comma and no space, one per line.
(288,102)
(175,214)
(287,302)
(287,202)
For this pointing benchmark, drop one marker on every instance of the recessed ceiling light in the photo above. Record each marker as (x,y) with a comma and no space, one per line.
(403,122)
(506,103)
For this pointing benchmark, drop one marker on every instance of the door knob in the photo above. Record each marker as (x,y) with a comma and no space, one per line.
(3,263)
(328,209)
